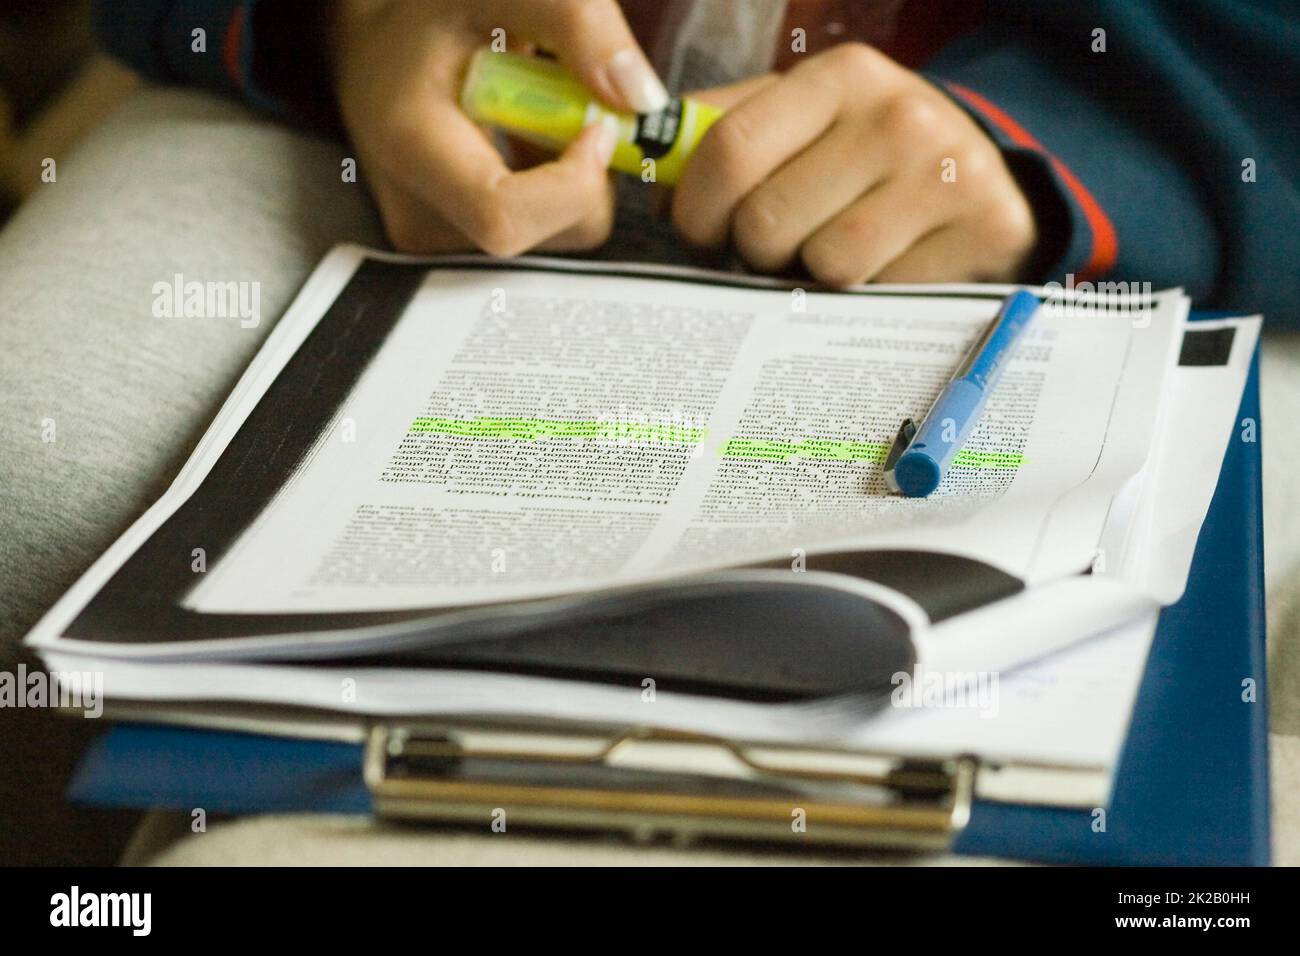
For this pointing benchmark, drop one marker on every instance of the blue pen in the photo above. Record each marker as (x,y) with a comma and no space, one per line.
(920,457)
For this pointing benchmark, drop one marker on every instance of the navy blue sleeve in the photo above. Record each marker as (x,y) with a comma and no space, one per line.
(267,53)
(203,42)
(1172,151)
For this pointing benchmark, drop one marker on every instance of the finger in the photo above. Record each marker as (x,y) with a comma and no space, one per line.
(415,228)
(454,168)
(591,232)
(954,253)
(742,148)
(875,230)
(725,97)
(412,225)
(591,38)
(774,220)
(946,255)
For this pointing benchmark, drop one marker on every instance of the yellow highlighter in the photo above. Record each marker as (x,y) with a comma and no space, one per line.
(542,103)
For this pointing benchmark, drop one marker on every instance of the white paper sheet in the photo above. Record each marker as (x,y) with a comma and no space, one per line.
(734,428)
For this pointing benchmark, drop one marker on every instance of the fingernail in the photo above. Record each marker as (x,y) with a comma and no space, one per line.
(633,77)
(606,139)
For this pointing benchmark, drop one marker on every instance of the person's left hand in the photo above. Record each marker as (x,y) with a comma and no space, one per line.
(861,169)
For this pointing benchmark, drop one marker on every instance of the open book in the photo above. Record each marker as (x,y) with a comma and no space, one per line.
(557,466)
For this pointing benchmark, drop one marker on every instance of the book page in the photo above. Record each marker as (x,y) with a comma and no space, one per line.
(531,432)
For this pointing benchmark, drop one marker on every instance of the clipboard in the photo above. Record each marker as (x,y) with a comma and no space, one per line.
(1191,787)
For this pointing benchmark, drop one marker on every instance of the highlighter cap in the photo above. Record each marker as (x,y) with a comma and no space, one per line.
(540,102)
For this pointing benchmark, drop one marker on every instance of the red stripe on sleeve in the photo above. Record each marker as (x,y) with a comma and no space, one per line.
(230,51)
(1105,244)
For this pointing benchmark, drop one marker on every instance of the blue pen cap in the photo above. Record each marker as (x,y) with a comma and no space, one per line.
(917,474)
(919,470)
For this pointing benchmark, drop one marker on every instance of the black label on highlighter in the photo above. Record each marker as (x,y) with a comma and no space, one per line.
(656,132)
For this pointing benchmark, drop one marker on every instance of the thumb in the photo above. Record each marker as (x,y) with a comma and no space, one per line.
(592,39)
(725,97)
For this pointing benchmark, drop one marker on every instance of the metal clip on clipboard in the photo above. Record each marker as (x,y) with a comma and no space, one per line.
(655,783)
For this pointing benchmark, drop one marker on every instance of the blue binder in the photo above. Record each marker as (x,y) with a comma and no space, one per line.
(1191,787)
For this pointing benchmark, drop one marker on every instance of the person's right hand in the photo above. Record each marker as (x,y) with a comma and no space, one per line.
(440,184)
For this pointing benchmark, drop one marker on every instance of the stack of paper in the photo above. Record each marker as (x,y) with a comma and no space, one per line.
(644,496)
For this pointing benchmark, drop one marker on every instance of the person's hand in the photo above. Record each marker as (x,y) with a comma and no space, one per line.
(439,183)
(861,169)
